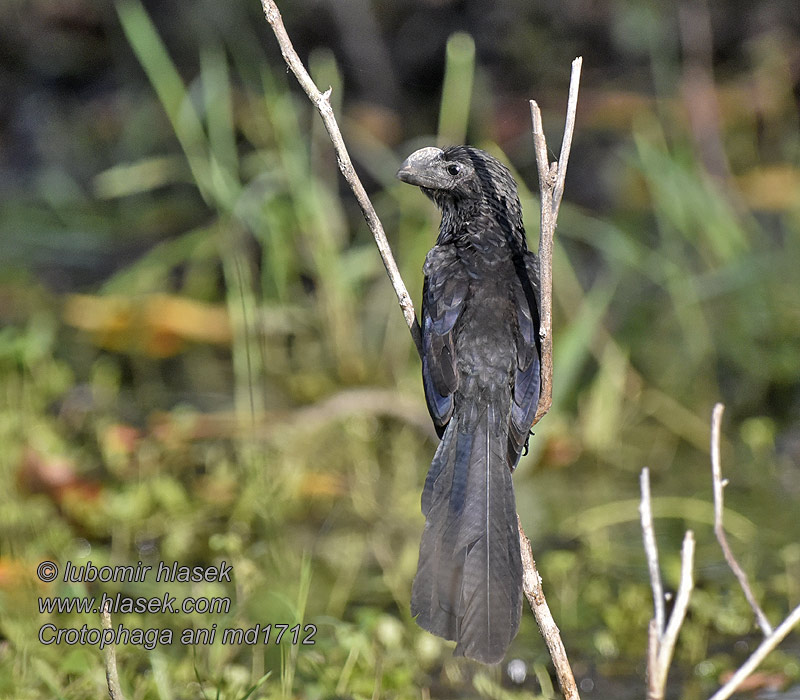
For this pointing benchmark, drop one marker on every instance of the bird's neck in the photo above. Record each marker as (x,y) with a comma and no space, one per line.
(480,226)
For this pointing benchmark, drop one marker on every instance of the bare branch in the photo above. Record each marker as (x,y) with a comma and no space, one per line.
(569,128)
(771,637)
(659,659)
(660,649)
(322,102)
(651,551)
(551,189)
(766,646)
(110,657)
(532,587)
(660,639)
(653,692)
(670,636)
(719,530)
(542,164)
(545,253)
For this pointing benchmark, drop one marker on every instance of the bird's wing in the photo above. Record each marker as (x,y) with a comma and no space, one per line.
(526,379)
(443,297)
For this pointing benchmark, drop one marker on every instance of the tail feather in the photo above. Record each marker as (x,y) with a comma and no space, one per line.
(432,593)
(469,580)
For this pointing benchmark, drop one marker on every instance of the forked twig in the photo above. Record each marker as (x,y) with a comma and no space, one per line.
(661,639)
(551,189)
(661,645)
(767,645)
(771,637)
(719,530)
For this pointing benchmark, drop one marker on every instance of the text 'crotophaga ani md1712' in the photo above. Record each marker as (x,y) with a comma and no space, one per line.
(480,370)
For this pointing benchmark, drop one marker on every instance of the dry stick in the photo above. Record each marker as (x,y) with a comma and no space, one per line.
(667,645)
(719,530)
(323,104)
(656,627)
(552,200)
(651,552)
(771,637)
(667,642)
(652,661)
(661,641)
(532,586)
(110,658)
(551,188)
(658,661)
(569,128)
(761,653)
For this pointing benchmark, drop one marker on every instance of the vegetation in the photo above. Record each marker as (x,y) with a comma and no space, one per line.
(202,361)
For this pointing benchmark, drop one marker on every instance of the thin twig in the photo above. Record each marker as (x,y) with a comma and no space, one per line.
(651,552)
(542,164)
(719,530)
(670,636)
(652,661)
(569,128)
(532,587)
(110,657)
(766,646)
(551,188)
(771,637)
(660,659)
(323,104)
(545,253)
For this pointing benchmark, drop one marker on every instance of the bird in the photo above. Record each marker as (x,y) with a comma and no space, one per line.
(481,376)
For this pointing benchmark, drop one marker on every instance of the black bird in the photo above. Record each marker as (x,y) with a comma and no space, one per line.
(480,370)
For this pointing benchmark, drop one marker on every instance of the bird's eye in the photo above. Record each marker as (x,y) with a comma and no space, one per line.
(453,169)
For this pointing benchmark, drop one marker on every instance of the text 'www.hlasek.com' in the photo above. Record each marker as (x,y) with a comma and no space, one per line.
(125,603)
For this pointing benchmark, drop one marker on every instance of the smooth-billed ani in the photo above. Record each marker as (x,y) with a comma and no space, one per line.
(480,371)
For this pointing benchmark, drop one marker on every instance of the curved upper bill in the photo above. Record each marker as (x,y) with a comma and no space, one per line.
(420,168)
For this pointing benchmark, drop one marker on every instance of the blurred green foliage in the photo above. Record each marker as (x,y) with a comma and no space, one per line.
(292,440)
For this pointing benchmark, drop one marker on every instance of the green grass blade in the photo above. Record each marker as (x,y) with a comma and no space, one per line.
(166,81)
(456,90)
(221,128)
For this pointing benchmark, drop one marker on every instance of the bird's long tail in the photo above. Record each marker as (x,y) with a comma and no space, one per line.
(468,586)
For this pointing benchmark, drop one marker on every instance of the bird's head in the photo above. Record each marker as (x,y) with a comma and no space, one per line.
(463,178)
(442,174)
(457,173)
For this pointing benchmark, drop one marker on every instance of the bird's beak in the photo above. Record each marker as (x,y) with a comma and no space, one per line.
(418,169)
